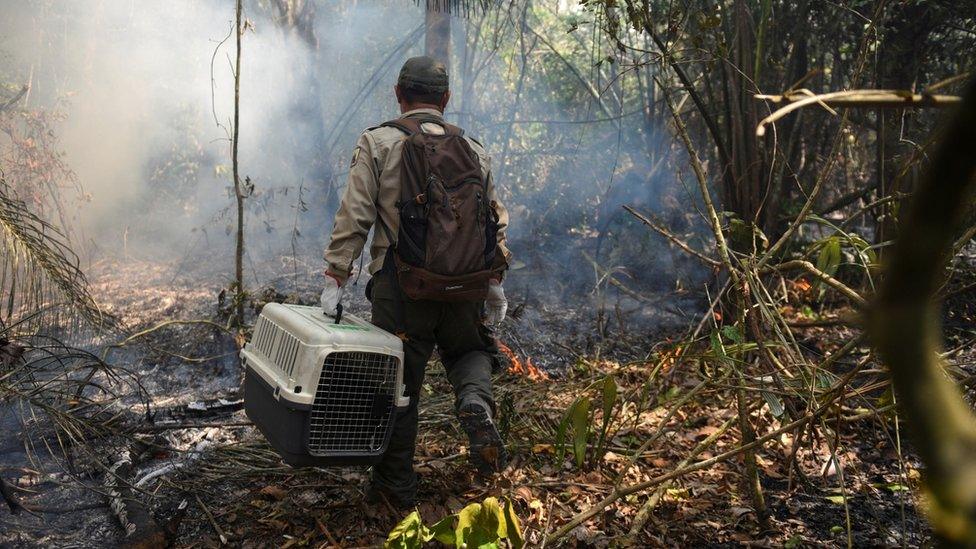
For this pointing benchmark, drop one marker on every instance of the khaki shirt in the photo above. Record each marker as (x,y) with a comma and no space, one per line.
(374,188)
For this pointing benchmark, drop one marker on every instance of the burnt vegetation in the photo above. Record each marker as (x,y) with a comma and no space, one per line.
(742,307)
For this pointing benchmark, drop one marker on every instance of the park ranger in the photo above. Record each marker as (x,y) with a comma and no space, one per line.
(453,320)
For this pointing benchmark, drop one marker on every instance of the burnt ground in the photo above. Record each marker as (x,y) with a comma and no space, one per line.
(234,486)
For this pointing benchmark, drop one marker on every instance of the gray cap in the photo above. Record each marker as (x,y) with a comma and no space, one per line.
(423,74)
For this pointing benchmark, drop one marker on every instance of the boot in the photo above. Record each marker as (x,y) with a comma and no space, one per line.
(487,452)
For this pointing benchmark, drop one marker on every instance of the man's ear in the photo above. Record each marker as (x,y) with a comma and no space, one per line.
(397,93)
(447,97)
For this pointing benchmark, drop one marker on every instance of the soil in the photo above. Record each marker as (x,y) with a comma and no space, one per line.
(234,486)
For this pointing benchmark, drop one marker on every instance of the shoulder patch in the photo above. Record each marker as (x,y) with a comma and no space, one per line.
(355,156)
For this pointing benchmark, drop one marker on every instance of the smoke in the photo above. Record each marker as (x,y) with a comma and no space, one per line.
(149,103)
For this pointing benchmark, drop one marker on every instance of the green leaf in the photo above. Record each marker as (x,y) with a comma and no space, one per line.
(609,397)
(480,525)
(793,542)
(514,527)
(581,429)
(493,517)
(830,256)
(839,499)
(733,333)
(442,531)
(467,519)
(717,348)
(409,534)
(561,435)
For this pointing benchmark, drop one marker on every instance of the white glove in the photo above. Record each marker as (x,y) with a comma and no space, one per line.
(331,295)
(495,303)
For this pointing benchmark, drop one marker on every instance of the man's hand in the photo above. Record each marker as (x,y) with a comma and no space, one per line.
(332,294)
(495,303)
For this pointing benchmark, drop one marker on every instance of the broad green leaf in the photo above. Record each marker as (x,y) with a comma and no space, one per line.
(839,499)
(492,517)
(830,256)
(409,534)
(581,429)
(514,527)
(467,519)
(442,531)
(479,525)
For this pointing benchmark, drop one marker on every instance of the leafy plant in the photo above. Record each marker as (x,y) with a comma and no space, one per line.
(484,525)
(579,417)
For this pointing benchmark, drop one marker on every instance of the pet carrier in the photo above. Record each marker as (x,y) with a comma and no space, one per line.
(321,392)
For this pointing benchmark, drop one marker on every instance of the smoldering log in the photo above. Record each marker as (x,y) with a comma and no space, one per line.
(141,530)
(7,491)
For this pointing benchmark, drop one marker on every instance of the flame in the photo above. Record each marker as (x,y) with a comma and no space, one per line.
(801,285)
(518,367)
(669,358)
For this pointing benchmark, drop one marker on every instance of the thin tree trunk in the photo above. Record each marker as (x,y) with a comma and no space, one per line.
(238,190)
(438,41)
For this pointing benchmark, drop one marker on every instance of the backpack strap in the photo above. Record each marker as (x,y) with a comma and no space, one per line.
(411,125)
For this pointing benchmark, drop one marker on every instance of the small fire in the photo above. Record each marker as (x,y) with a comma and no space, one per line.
(669,358)
(518,367)
(801,285)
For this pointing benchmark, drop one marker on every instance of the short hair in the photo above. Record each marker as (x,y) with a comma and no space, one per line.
(411,95)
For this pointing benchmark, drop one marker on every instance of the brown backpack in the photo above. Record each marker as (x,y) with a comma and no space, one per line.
(446,247)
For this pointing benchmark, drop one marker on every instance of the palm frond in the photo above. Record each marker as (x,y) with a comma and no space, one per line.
(463,8)
(40,280)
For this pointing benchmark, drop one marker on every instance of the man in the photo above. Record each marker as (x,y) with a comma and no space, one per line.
(373,196)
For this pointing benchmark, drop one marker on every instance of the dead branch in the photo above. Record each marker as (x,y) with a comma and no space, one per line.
(645,512)
(667,234)
(862,99)
(677,473)
(812,270)
(138,524)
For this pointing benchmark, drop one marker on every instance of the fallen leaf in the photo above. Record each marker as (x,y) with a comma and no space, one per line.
(273,492)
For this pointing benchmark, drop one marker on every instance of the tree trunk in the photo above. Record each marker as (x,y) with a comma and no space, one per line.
(901,51)
(438,41)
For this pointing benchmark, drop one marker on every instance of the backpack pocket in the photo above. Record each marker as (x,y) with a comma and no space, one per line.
(491,233)
(412,240)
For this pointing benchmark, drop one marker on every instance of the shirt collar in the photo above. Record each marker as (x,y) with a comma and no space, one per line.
(430,112)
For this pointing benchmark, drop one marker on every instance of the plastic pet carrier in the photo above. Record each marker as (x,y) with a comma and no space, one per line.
(323,393)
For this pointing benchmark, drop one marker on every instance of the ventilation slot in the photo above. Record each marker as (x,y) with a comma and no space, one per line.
(280,347)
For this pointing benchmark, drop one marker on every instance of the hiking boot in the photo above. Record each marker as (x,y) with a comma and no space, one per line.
(376,495)
(487,452)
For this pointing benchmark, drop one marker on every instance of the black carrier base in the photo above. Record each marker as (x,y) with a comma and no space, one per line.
(285,425)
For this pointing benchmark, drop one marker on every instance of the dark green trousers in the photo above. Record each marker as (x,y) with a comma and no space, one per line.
(466,350)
